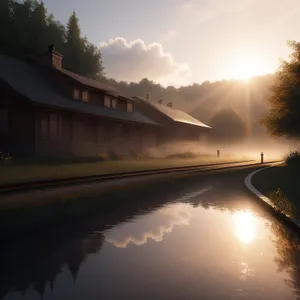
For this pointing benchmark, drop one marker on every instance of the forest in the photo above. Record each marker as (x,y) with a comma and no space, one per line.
(233,108)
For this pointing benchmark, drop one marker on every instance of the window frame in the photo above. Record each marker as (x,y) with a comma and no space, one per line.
(107,101)
(114,103)
(129,104)
(86,98)
(76,94)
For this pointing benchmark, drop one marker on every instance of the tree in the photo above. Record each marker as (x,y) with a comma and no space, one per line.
(23,29)
(283,118)
(92,60)
(5,24)
(228,127)
(40,39)
(74,45)
(56,33)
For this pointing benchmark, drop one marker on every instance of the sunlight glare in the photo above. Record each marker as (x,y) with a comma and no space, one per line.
(244,226)
(246,67)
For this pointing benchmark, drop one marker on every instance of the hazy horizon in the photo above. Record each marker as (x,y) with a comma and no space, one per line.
(179,42)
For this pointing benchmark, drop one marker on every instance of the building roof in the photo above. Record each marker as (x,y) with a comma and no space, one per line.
(30,82)
(88,81)
(175,114)
(94,84)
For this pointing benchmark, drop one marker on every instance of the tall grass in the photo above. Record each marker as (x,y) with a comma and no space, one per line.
(282,203)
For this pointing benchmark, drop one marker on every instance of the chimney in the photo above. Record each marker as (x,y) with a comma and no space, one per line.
(148,96)
(161,100)
(170,104)
(52,58)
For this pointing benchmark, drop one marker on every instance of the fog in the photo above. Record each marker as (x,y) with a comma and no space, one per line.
(251,148)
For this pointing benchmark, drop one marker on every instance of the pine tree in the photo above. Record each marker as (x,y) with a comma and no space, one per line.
(5,25)
(39,28)
(74,45)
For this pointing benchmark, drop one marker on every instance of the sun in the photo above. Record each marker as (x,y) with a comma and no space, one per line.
(245,67)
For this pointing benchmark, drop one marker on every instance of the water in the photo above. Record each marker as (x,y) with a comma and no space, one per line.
(210,242)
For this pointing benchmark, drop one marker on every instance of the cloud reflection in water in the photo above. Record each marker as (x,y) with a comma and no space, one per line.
(151,227)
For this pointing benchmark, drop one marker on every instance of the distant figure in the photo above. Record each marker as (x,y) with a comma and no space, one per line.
(262,157)
(218,153)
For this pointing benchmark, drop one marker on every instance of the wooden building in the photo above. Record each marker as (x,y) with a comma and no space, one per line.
(47,110)
(177,126)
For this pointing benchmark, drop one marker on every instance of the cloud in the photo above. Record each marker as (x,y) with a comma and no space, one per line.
(132,61)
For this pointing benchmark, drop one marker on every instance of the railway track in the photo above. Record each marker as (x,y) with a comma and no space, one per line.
(40,184)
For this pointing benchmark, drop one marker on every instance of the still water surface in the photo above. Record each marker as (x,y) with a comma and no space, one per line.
(208,243)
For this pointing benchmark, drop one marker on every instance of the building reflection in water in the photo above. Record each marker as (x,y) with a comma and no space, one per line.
(35,261)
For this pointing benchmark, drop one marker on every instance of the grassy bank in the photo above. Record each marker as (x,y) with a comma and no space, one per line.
(11,173)
(281,185)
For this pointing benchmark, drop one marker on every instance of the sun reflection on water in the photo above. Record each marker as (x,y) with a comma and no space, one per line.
(244,226)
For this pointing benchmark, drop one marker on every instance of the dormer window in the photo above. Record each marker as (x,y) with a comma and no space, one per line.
(107,101)
(76,94)
(114,103)
(129,107)
(85,96)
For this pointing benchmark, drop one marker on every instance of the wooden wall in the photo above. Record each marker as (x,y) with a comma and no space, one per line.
(82,135)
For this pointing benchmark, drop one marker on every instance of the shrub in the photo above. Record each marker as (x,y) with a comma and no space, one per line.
(5,158)
(293,158)
(283,204)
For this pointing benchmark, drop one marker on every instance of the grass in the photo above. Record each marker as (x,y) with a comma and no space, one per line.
(12,173)
(281,185)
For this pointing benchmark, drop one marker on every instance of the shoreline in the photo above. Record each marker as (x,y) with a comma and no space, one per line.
(268,203)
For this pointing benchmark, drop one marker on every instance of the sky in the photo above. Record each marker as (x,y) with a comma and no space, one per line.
(181,42)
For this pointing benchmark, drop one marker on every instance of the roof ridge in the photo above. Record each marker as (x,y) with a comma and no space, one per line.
(175,114)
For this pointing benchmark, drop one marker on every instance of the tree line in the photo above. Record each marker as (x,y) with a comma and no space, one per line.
(233,107)
(26,28)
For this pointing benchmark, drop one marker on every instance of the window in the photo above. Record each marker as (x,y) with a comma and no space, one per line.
(76,94)
(107,101)
(129,107)
(85,96)
(114,103)
(3,120)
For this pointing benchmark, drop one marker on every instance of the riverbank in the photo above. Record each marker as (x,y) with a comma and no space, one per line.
(67,206)
(12,173)
(281,184)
